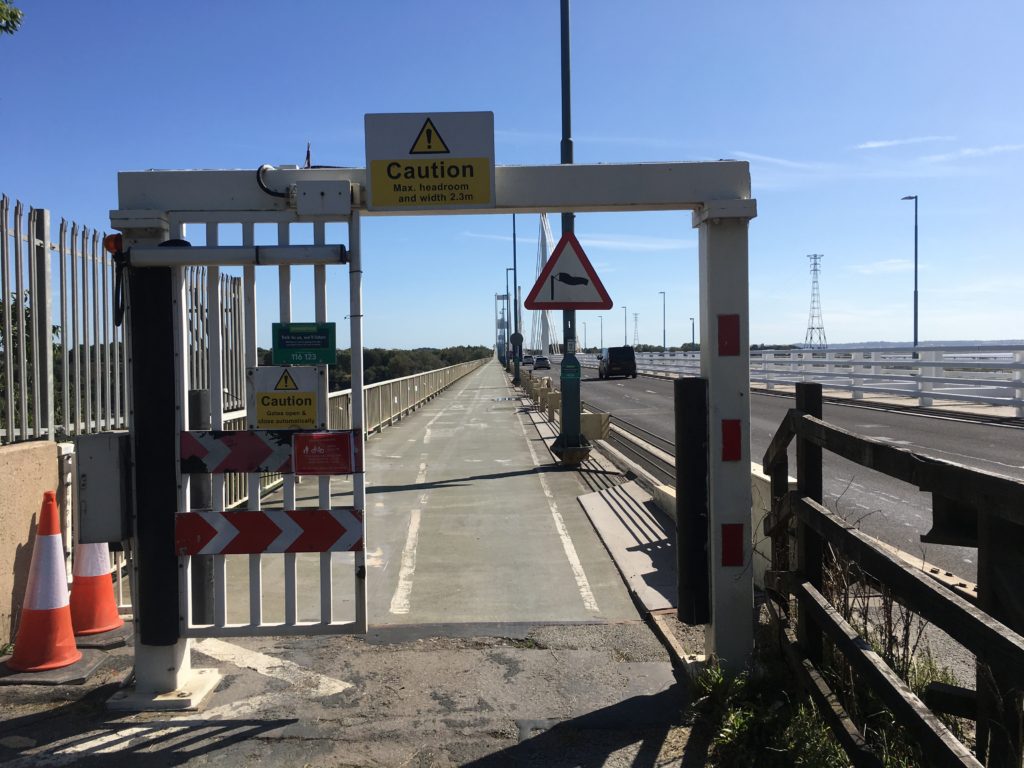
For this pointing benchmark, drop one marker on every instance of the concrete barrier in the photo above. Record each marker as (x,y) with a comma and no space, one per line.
(761,504)
(553,404)
(29,469)
(595,426)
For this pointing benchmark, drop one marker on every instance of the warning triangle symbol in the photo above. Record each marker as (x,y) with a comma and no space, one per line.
(285,382)
(568,281)
(429,141)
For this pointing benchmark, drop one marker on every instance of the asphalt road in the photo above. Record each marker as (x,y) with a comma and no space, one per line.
(883,507)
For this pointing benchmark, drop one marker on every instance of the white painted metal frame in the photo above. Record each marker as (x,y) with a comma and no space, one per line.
(719,195)
(319,254)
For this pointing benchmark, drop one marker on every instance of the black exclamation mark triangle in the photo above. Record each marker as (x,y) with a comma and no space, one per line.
(429,141)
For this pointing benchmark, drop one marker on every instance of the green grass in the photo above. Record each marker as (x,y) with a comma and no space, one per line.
(761,718)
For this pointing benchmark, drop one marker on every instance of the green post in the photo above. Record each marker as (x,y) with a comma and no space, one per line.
(570,446)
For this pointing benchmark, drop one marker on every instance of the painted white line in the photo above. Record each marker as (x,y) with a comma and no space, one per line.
(282,669)
(400,601)
(586,593)
(426,430)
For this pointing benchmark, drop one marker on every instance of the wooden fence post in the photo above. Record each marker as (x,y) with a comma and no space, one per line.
(1000,734)
(809,544)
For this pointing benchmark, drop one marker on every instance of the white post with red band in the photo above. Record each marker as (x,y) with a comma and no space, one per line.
(724,362)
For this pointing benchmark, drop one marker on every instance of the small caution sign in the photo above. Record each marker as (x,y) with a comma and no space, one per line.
(429,141)
(286,382)
(284,398)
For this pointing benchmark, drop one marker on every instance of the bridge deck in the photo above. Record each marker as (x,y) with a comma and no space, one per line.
(468,520)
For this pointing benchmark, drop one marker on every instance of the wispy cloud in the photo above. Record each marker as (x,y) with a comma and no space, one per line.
(782,162)
(597,242)
(967,152)
(884,267)
(883,143)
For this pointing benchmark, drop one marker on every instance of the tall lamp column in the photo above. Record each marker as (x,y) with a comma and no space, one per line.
(664,345)
(914,198)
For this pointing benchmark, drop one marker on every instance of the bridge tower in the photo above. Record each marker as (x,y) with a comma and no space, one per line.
(815,338)
(636,333)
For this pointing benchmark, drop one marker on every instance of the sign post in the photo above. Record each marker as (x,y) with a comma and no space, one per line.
(569,282)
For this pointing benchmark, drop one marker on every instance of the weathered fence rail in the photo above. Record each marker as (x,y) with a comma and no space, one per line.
(971,508)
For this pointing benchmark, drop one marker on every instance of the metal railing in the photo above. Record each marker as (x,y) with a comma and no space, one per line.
(386,403)
(981,375)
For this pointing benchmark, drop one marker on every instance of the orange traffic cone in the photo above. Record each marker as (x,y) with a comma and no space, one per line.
(93,608)
(45,639)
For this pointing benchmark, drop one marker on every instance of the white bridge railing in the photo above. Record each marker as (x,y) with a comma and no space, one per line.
(981,375)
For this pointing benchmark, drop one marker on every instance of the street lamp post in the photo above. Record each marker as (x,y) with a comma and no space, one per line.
(664,345)
(584,335)
(625,328)
(517,349)
(693,334)
(601,318)
(914,198)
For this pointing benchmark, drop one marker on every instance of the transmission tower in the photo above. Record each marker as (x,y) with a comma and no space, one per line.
(815,338)
(636,334)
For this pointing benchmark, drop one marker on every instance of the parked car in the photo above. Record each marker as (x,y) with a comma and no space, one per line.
(540,362)
(616,361)
(527,359)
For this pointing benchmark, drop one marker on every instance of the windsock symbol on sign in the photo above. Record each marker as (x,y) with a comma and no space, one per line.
(45,638)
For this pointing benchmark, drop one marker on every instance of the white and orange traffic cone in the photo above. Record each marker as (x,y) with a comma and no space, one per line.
(93,608)
(45,638)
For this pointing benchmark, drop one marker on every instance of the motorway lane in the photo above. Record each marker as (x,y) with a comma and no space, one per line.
(880,505)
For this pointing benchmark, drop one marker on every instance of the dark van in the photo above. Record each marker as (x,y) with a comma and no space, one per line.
(616,361)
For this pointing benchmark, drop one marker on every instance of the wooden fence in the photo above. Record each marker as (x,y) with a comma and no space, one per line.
(970,508)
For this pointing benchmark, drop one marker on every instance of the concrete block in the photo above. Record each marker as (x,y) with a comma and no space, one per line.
(595,426)
(29,469)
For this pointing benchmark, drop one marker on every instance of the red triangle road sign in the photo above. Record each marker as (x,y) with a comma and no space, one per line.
(568,281)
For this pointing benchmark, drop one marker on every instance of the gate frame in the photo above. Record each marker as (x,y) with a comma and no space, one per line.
(717,193)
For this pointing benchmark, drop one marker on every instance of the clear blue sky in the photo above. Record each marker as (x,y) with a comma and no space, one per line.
(840,108)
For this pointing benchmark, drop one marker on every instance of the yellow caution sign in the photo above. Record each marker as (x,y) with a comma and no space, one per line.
(292,411)
(429,141)
(286,382)
(430,161)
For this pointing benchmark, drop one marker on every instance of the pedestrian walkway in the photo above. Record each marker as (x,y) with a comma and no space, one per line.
(500,630)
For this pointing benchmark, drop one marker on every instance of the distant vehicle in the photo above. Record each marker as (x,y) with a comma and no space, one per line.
(541,362)
(527,359)
(616,361)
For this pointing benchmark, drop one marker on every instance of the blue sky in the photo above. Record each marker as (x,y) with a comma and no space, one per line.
(841,110)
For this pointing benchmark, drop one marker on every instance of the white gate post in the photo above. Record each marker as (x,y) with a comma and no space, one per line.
(725,361)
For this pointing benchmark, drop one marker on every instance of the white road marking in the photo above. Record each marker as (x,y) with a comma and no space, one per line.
(281,669)
(650,392)
(586,593)
(400,601)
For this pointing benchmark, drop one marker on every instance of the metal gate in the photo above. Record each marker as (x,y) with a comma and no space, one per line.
(298,569)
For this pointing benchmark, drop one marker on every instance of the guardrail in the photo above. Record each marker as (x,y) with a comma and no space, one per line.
(982,375)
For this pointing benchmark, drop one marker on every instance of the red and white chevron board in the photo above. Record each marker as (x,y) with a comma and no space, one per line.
(244,533)
(259,450)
